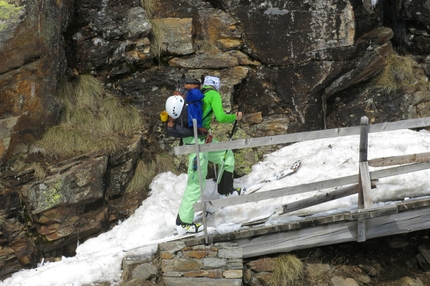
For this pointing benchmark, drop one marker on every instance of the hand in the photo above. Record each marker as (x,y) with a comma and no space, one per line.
(239,115)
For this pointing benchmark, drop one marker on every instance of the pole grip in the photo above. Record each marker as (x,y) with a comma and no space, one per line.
(239,109)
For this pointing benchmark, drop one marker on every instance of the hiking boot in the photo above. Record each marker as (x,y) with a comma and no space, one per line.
(187,228)
(236,192)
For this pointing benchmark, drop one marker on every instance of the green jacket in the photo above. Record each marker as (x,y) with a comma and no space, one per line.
(212,105)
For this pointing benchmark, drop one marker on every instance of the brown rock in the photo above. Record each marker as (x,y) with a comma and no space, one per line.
(198,254)
(81,184)
(175,35)
(180,265)
(262,265)
(215,274)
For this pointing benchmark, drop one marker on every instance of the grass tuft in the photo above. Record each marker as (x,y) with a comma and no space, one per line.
(39,172)
(91,121)
(139,180)
(287,271)
(145,172)
(398,73)
(148,5)
(2,217)
(159,32)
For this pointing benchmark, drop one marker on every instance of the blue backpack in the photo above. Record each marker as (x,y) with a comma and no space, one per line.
(192,109)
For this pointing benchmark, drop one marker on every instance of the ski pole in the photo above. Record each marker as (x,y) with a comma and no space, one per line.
(239,109)
(196,143)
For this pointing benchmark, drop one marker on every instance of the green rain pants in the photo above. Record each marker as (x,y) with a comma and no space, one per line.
(192,191)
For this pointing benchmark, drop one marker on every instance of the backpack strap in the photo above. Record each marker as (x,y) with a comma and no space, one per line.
(204,90)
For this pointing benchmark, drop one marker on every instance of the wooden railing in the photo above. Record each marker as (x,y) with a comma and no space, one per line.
(361,183)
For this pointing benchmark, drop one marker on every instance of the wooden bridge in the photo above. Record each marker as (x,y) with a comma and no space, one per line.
(366,222)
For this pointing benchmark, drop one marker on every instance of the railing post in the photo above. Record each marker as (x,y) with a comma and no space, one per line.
(364,186)
(202,199)
(364,195)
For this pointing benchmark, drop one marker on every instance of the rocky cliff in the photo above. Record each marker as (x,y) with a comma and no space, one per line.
(294,65)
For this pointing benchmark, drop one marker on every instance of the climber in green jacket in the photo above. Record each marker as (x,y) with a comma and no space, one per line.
(212,106)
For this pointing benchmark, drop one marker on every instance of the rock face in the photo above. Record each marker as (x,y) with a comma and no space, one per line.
(294,65)
(33,60)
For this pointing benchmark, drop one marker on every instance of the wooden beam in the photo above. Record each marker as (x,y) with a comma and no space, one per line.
(303,136)
(287,191)
(361,230)
(364,138)
(399,160)
(389,172)
(269,140)
(372,212)
(402,124)
(319,199)
(365,185)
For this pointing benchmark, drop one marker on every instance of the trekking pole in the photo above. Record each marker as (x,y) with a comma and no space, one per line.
(196,143)
(239,109)
(233,130)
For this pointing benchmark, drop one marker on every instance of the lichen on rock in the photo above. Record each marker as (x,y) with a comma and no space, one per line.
(8,13)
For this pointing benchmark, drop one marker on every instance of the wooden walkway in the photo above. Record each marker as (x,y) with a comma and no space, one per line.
(366,222)
(394,218)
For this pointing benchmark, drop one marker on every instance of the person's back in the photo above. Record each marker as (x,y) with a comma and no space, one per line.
(212,106)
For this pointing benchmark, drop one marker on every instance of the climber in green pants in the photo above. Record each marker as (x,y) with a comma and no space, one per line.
(212,106)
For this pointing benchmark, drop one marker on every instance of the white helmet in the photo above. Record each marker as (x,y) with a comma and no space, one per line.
(174,105)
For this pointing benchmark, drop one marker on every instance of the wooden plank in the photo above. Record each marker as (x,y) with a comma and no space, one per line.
(361,230)
(364,185)
(282,192)
(373,212)
(402,222)
(334,233)
(364,138)
(413,204)
(303,136)
(389,172)
(319,199)
(399,160)
(298,239)
(287,191)
(402,124)
(269,140)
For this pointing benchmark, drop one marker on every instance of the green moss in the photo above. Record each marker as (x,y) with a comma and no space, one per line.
(8,10)
(399,73)
(54,195)
(50,196)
